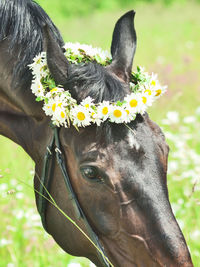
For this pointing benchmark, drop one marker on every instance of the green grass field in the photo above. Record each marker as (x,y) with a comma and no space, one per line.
(168,44)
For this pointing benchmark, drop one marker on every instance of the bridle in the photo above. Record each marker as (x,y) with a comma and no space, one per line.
(53,149)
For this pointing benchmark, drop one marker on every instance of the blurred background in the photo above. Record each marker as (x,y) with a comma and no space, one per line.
(168,44)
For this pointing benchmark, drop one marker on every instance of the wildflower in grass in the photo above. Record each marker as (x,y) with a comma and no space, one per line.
(171,118)
(5,242)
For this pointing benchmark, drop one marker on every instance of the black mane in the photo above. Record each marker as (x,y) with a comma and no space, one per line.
(22,23)
(92,79)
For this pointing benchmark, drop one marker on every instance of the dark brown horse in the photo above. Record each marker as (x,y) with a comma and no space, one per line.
(118,174)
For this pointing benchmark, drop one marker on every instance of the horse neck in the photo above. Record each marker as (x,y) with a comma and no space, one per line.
(21,118)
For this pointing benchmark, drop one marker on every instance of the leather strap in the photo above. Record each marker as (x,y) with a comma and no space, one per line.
(45,183)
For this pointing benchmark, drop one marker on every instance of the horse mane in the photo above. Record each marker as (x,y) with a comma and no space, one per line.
(92,79)
(22,24)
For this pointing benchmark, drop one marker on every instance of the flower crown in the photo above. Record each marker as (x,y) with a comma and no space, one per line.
(64,110)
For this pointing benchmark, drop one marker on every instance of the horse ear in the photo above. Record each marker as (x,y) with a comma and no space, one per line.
(56,60)
(123,46)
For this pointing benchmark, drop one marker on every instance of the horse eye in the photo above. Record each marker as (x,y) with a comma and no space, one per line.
(91,173)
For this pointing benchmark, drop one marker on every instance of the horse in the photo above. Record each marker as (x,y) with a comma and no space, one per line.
(118,174)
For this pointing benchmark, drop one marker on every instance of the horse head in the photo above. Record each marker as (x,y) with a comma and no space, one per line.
(118,172)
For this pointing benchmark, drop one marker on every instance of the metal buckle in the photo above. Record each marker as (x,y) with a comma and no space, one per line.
(48,149)
(57,150)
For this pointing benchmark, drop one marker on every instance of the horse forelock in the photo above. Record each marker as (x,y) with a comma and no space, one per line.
(92,79)
(22,23)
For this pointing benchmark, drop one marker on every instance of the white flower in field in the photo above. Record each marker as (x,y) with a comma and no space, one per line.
(172,118)
(80,116)
(198,111)
(173,166)
(19,195)
(3,187)
(87,103)
(37,88)
(19,214)
(4,242)
(103,110)
(189,119)
(117,114)
(195,235)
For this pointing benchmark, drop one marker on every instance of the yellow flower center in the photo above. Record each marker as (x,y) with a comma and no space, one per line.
(127,111)
(153,82)
(80,116)
(158,92)
(133,103)
(87,105)
(144,99)
(54,90)
(62,114)
(117,113)
(148,91)
(105,110)
(54,107)
(59,105)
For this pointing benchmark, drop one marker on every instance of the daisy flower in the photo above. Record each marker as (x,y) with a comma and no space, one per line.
(160,90)
(80,116)
(146,100)
(133,101)
(54,91)
(59,116)
(87,103)
(130,114)
(103,110)
(154,80)
(117,114)
(96,119)
(37,88)
(39,63)
(53,104)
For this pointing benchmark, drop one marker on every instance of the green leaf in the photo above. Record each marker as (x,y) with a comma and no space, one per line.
(38,99)
(119,103)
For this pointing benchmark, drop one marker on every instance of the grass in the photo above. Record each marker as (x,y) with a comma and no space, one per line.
(168,44)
